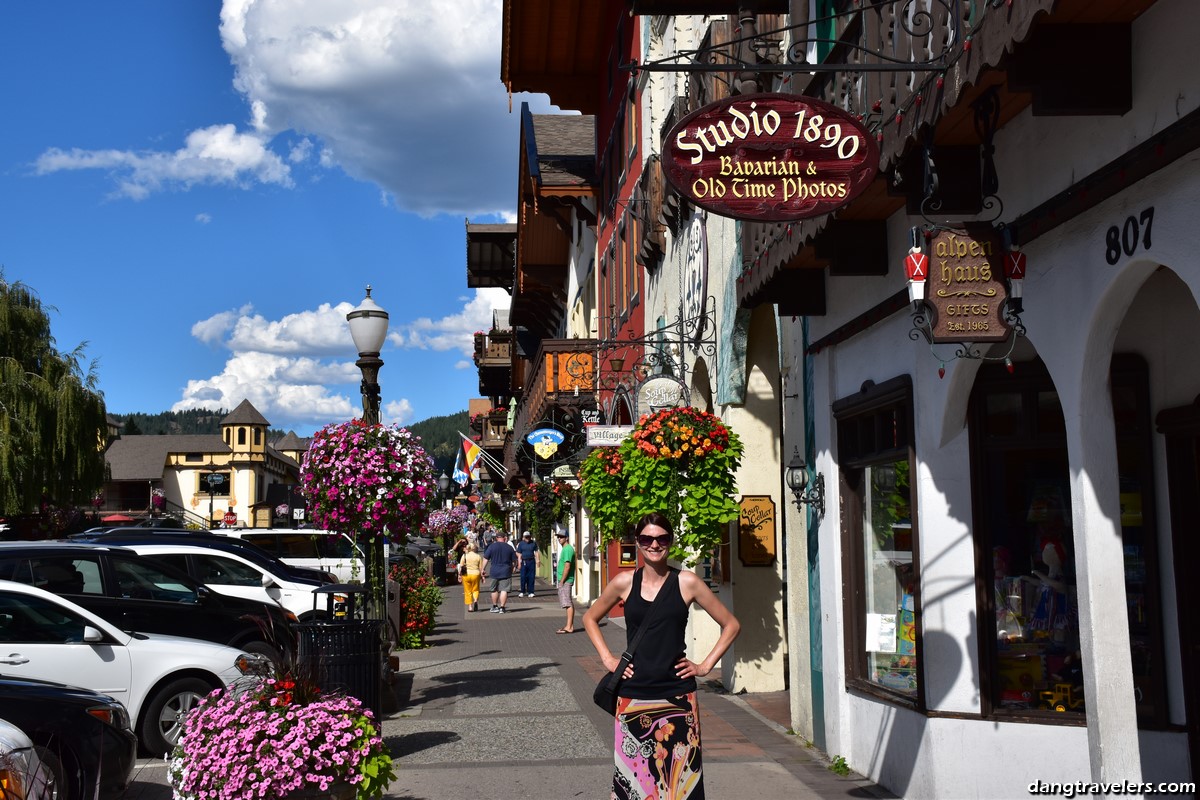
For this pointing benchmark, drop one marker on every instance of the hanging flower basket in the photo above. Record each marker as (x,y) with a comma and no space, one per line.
(544,505)
(360,479)
(602,485)
(680,462)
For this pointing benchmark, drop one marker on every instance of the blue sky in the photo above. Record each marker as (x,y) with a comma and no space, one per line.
(201,190)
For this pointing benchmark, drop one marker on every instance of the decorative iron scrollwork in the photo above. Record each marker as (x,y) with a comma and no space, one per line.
(921,20)
(624,363)
(568,422)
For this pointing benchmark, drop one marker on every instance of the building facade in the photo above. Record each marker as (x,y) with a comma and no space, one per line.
(1007,462)
(232,479)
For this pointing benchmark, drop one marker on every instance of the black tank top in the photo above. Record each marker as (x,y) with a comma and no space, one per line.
(662,646)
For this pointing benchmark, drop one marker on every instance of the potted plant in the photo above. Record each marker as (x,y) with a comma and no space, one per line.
(279,739)
(677,461)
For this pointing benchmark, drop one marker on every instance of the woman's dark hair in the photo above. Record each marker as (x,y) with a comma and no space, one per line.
(653,518)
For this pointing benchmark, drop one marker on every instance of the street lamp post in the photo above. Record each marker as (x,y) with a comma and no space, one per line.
(444,486)
(368,328)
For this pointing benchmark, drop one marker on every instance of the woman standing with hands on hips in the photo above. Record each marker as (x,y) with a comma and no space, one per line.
(657,727)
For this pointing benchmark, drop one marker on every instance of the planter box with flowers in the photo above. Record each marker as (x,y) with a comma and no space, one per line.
(281,739)
(679,462)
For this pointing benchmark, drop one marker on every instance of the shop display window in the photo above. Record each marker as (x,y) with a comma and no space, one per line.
(880,542)
(1026,545)
(1024,533)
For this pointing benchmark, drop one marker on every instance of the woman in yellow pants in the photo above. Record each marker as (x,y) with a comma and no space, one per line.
(469,568)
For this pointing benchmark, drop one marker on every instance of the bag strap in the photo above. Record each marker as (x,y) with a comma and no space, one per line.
(627,656)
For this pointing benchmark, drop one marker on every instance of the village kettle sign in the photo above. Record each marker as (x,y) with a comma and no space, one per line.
(770,157)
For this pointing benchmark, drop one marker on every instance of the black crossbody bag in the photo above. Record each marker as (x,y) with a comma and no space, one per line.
(605,694)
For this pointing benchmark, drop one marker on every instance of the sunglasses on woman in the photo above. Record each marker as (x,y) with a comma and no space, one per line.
(646,540)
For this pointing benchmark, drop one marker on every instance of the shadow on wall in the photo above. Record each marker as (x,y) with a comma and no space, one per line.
(901,734)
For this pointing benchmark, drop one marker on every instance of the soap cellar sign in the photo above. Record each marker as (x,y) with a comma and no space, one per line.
(770,157)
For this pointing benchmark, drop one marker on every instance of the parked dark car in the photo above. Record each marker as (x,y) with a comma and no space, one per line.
(161,523)
(217,541)
(418,548)
(136,593)
(83,737)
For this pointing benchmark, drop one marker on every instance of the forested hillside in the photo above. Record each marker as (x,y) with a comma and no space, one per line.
(439,435)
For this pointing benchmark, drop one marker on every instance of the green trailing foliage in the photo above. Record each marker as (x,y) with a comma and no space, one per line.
(52,417)
(679,462)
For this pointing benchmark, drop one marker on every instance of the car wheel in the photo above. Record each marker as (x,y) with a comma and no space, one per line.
(59,788)
(261,649)
(162,721)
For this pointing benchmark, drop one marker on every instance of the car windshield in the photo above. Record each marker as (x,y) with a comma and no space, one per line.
(143,580)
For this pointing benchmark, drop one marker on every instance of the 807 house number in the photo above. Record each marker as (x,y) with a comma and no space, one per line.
(1133,232)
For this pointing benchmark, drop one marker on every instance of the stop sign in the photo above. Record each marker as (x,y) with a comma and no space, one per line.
(230,518)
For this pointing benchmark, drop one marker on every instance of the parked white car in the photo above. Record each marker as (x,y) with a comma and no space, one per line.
(158,678)
(22,775)
(329,551)
(232,574)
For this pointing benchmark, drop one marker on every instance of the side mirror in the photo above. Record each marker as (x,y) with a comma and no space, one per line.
(91,634)
(268,582)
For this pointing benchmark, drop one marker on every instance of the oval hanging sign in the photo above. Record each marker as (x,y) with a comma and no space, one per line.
(770,157)
(545,441)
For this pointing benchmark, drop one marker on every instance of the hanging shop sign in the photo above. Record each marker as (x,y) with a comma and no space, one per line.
(756,531)
(662,391)
(770,157)
(607,435)
(545,441)
(966,288)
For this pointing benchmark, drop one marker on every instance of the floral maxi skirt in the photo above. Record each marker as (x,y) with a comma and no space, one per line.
(658,750)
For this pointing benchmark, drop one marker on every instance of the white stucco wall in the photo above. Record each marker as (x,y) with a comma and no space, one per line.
(1079,311)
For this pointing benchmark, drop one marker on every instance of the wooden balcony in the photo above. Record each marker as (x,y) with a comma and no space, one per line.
(494,350)
(495,429)
(564,374)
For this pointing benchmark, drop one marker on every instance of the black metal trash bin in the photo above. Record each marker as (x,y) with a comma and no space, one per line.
(343,653)
(439,570)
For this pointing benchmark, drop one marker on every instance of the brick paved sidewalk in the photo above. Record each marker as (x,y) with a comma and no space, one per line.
(504,699)
(499,706)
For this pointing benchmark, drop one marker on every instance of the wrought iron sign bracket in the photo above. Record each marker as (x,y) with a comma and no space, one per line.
(626,362)
(751,53)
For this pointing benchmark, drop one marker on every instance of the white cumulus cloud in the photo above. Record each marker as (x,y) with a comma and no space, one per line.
(294,370)
(400,92)
(218,154)
(455,331)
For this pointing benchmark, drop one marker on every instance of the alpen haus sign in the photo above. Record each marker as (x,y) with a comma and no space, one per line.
(966,286)
(770,157)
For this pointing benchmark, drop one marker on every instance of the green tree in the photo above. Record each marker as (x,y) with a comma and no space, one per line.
(52,418)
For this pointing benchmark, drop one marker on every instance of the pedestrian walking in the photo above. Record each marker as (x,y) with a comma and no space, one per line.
(657,723)
(470,569)
(566,580)
(498,560)
(455,556)
(528,561)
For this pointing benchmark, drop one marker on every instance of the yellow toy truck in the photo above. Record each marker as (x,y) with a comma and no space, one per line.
(1064,696)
